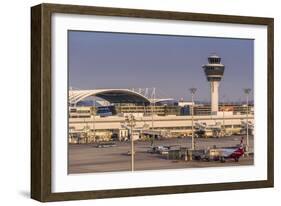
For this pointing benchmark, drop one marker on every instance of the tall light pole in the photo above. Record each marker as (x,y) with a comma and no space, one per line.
(223,108)
(247,91)
(86,127)
(192,91)
(131,123)
(152,116)
(93,116)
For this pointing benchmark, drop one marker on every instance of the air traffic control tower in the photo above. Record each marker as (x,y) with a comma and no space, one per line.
(214,72)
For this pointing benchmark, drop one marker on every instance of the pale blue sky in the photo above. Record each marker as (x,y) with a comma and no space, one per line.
(171,64)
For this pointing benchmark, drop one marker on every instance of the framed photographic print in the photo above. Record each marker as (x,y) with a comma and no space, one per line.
(130,102)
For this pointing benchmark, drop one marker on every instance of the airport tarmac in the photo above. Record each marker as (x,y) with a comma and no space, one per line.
(87,158)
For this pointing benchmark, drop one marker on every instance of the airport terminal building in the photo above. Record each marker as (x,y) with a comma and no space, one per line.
(105,119)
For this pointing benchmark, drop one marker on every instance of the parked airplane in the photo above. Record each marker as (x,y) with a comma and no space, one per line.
(222,153)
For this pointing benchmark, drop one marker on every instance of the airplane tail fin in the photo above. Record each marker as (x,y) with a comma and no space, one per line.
(241,141)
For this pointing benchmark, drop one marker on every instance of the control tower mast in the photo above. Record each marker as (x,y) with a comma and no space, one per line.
(214,72)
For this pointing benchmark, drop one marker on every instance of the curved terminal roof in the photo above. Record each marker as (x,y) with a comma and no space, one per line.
(110,95)
(165,101)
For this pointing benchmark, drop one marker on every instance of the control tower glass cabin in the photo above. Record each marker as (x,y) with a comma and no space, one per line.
(214,72)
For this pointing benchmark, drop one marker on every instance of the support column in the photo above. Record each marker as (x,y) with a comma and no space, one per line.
(214,96)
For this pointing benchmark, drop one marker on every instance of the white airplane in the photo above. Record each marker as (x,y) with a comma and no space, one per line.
(223,153)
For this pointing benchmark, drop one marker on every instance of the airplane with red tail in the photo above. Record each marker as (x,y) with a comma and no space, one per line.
(224,153)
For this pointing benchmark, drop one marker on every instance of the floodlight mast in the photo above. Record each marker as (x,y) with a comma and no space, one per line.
(247,91)
(192,91)
(131,122)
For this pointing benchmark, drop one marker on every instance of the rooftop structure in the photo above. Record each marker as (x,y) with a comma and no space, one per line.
(110,95)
